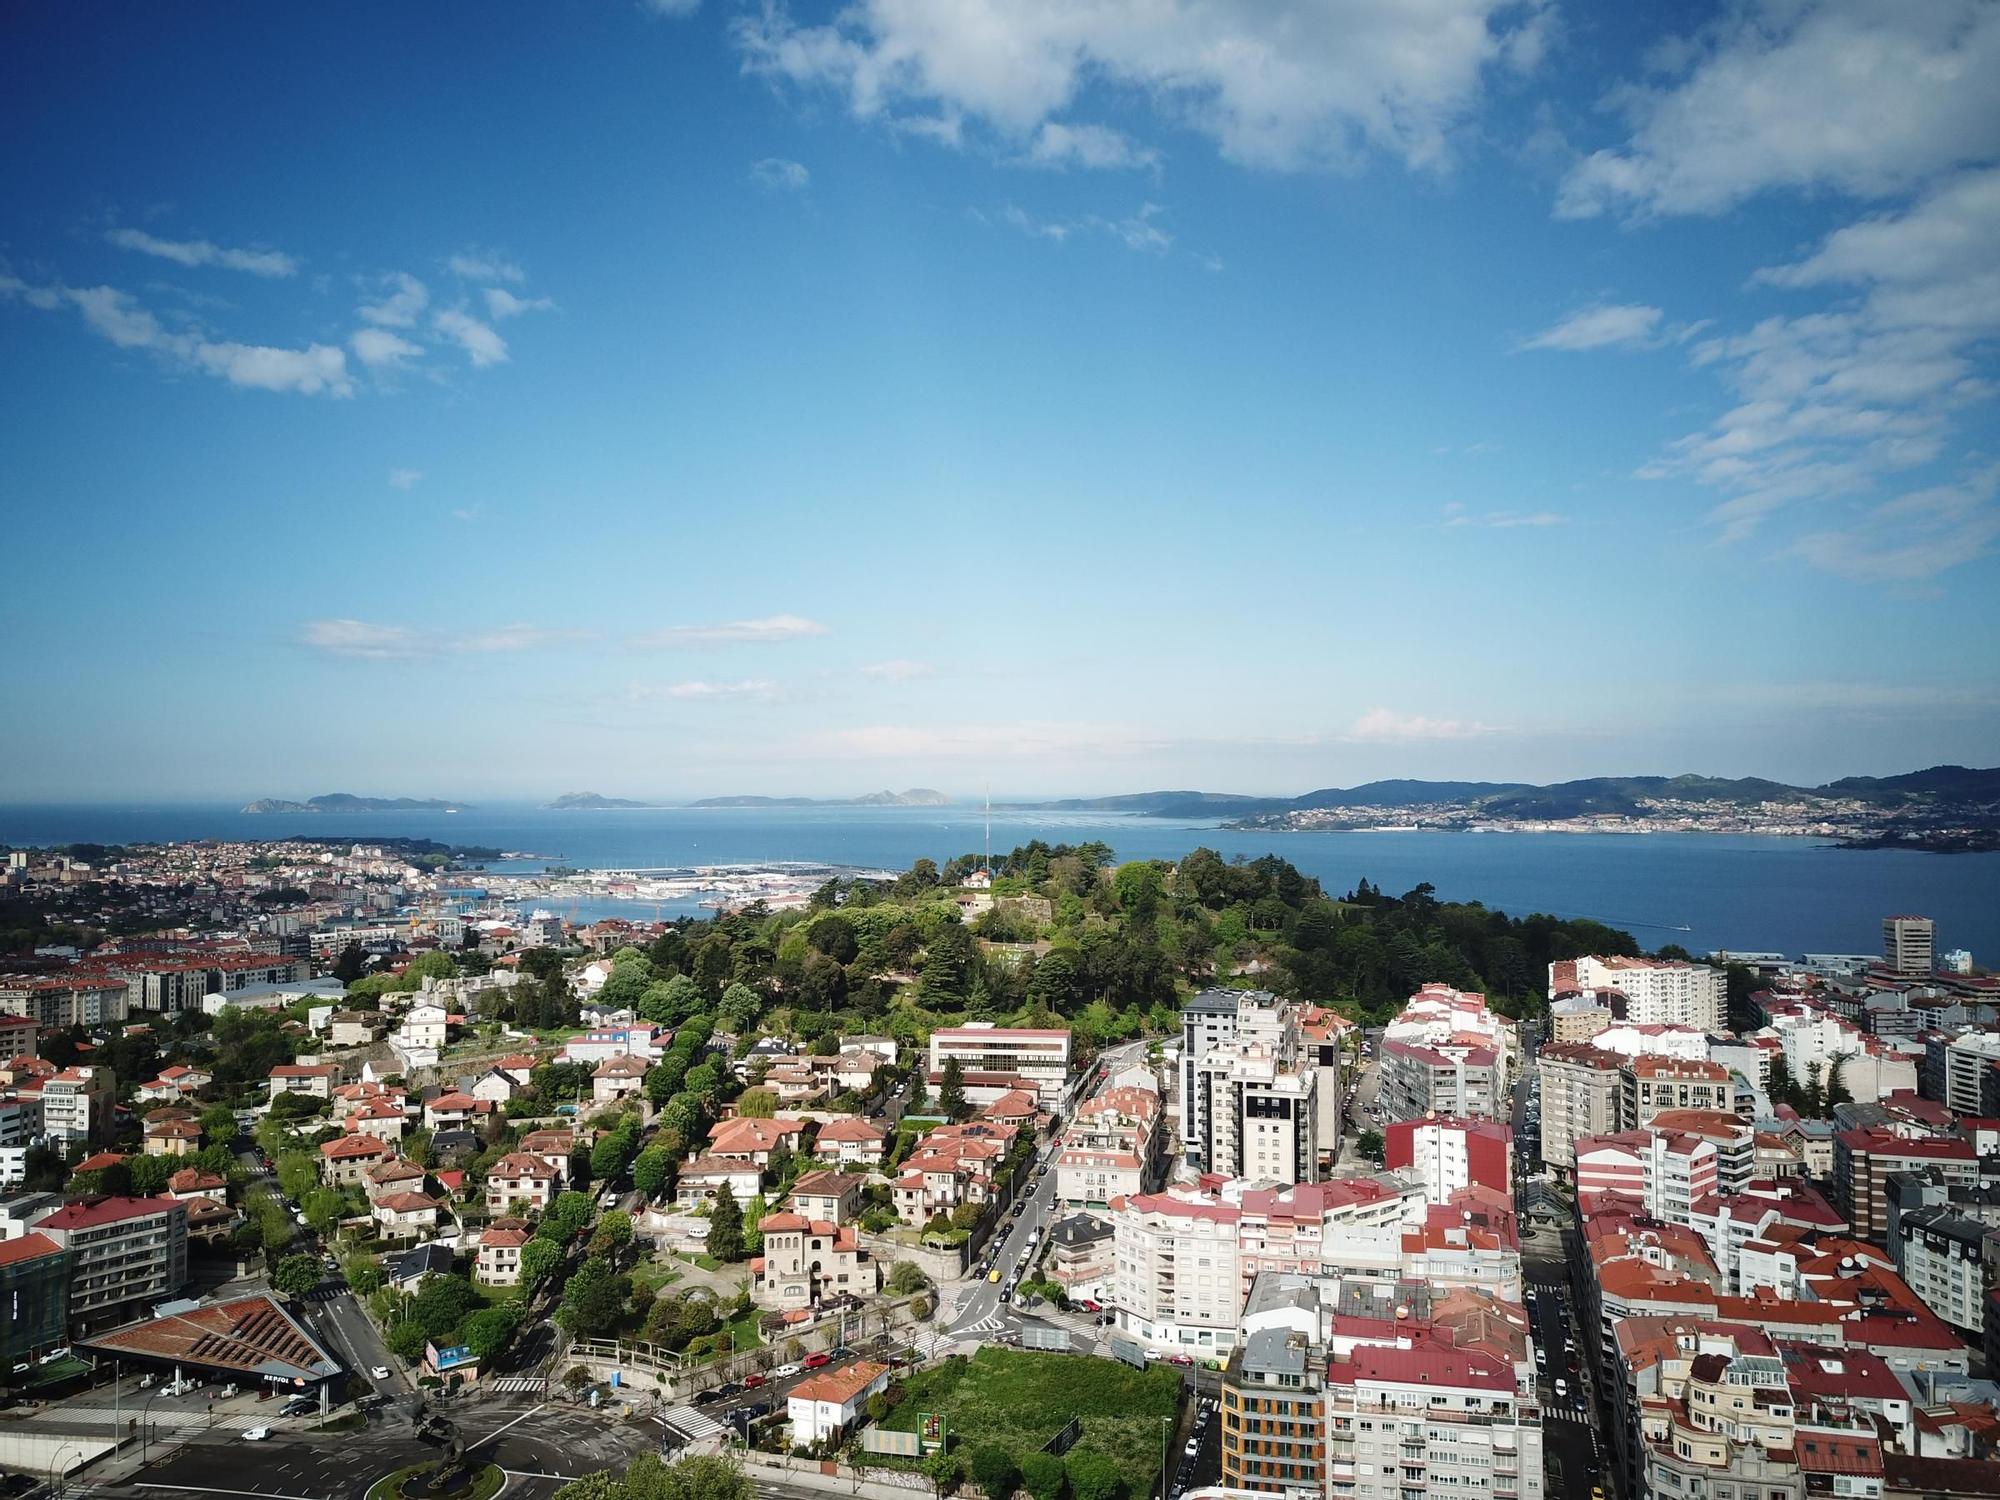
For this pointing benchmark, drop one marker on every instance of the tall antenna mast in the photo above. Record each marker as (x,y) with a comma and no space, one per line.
(989,830)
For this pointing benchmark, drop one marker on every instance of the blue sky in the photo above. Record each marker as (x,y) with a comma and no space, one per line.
(698,398)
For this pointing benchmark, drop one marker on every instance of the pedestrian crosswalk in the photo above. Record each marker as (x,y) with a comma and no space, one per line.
(930,1345)
(516,1384)
(1568,1414)
(689,1423)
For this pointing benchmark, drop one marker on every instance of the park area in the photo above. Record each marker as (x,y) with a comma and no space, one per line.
(1019,1399)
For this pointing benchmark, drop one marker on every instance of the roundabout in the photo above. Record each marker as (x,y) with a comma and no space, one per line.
(435,1480)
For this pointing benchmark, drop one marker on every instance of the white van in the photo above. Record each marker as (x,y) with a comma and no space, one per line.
(255,1434)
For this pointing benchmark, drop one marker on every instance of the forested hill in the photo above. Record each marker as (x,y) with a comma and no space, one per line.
(1072,937)
(1939,786)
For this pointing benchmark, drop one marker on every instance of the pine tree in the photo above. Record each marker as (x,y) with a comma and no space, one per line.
(725,1226)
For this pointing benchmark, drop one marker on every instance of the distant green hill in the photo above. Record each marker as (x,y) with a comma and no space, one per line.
(1600,796)
(343,802)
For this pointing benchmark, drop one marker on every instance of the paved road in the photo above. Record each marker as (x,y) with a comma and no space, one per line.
(979,1310)
(1569,1425)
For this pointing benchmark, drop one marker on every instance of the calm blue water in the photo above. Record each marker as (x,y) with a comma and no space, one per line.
(1787,895)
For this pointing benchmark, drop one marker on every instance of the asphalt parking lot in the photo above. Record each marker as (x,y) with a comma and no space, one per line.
(540,1447)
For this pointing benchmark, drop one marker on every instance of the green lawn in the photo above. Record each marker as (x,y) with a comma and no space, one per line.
(1020,1399)
(706,1261)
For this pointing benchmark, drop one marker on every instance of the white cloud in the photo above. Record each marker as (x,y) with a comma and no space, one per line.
(769,629)
(1139,231)
(1629,325)
(1912,537)
(513,638)
(310,371)
(1019,218)
(318,369)
(484,265)
(358,638)
(194,253)
(1386,726)
(776,172)
(376,347)
(482,345)
(1860,96)
(402,302)
(1096,147)
(466,513)
(1501,520)
(899,670)
(1285,84)
(1833,405)
(501,303)
(369,641)
(404,479)
(748,688)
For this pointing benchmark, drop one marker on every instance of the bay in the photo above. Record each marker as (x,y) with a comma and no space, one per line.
(1704,891)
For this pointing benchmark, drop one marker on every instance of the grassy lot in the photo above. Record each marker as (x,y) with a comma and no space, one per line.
(651,1277)
(706,1261)
(1021,1398)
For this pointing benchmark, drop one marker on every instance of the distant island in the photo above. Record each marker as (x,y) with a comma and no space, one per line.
(916,796)
(343,802)
(1944,808)
(593,802)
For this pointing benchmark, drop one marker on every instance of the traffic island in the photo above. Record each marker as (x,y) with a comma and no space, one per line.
(436,1480)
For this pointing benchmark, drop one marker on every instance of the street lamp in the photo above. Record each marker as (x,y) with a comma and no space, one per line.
(56,1471)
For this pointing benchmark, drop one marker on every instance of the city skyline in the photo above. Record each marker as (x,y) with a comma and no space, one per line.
(696,399)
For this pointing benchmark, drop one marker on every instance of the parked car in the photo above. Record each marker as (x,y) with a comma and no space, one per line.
(843,1352)
(751,1382)
(1193,1447)
(708,1398)
(815,1361)
(786,1372)
(1183,1360)
(299,1406)
(729,1388)
(1562,1386)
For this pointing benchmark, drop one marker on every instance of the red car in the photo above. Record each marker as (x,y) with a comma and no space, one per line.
(1089,1306)
(815,1361)
(1183,1360)
(751,1382)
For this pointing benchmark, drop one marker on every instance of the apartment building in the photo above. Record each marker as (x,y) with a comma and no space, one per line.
(34,1286)
(1431,1419)
(1864,1159)
(1962,1072)
(76,1104)
(1446,1054)
(1208,1024)
(1656,991)
(1578,1018)
(1654,1084)
(1259,1096)
(1909,945)
(124,1252)
(1942,1254)
(1175,1281)
(1582,1094)
(1112,1148)
(58,1002)
(1680,1159)
(1447,1154)
(995,1059)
